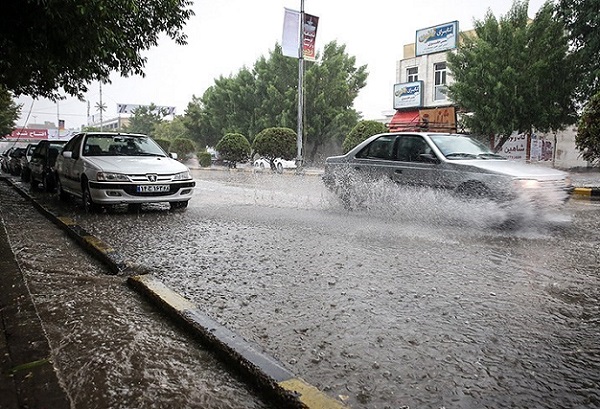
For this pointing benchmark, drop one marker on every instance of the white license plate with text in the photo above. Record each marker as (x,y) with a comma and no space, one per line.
(153,188)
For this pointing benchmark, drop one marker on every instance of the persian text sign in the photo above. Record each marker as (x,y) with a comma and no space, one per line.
(130,109)
(25,133)
(408,95)
(437,39)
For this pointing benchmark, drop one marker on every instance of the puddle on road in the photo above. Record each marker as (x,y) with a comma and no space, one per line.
(112,349)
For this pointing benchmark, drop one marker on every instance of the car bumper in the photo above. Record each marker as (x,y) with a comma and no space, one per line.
(115,193)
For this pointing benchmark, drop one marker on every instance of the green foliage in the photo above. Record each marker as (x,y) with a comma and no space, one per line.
(582,21)
(234,147)
(49,45)
(267,96)
(91,129)
(204,158)
(362,131)
(164,143)
(183,147)
(9,112)
(272,143)
(171,129)
(514,75)
(145,119)
(588,131)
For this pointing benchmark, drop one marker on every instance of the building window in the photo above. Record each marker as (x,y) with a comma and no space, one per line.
(412,74)
(439,81)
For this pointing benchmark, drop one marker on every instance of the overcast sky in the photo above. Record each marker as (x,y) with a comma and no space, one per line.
(226,35)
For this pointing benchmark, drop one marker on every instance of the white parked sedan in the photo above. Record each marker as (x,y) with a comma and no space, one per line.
(104,168)
(280,164)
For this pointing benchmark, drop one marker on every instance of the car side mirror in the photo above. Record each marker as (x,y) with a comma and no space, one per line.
(67,154)
(428,157)
(173,155)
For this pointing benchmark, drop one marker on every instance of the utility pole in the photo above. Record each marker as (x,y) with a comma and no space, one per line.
(300,128)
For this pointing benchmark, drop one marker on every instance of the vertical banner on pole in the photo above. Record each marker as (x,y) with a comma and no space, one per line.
(290,43)
(291,33)
(310,36)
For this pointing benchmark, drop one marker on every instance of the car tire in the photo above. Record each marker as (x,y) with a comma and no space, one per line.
(25,176)
(48,183)
(279,167)
(178,205)
(62,195)
(86,198)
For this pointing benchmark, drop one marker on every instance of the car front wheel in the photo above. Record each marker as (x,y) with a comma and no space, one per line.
(88,202)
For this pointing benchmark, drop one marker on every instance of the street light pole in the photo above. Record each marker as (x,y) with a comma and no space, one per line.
(300,128)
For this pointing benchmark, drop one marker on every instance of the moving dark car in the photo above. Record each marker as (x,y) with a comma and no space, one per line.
(42,164)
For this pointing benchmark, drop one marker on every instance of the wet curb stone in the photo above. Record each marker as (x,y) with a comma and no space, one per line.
(590,193)
(260,370)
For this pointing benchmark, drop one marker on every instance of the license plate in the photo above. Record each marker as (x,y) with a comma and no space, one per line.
(153,188)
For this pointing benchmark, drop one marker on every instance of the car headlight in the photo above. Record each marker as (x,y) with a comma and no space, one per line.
(111,177)
(182,175)
(527,183)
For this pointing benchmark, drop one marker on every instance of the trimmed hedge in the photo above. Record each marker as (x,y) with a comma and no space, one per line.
(361,131)
(272,143)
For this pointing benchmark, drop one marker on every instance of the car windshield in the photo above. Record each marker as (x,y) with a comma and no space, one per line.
(462,147)
(121,145)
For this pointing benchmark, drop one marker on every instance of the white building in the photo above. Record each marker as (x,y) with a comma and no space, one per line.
(421,101)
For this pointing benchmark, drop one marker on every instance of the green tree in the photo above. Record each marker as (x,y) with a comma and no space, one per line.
(331,88)
(251,101)
(183,147)
(52,45)
(362,131)
(273,143)
(582,20)
(234,147)
(171,129)
(145,119)
(9,112)
(587,139)
(514,75)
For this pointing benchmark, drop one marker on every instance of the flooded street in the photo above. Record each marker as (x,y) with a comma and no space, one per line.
(415,299)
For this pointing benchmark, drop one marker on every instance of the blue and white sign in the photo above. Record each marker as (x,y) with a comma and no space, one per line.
(437,39)
(408,95)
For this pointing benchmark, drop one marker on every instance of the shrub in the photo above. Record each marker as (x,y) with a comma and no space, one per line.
(361,131)
(183,147)
(164,143)
(204,158)
(272,143)
(233,147)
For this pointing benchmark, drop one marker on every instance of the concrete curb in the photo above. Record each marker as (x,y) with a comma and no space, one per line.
(261,370)
(258,369)
(590,193)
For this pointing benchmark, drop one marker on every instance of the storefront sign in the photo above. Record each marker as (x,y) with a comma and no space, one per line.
(408,95)
(26,133)
(437,39)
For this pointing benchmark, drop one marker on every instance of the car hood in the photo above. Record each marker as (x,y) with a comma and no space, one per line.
(137,164)
(514,169)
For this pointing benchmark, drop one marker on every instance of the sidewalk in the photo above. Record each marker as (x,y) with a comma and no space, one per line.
(28,378)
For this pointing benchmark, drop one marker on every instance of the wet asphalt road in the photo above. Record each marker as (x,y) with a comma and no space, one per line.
(417,300)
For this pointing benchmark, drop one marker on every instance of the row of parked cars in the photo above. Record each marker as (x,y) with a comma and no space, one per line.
(103,169)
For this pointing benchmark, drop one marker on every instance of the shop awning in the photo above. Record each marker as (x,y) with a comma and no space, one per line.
(404,121)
